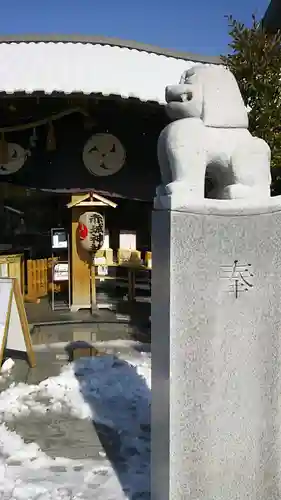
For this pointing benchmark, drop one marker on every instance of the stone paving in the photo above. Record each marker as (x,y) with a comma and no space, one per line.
(60,436)
(136,315)
(94,332)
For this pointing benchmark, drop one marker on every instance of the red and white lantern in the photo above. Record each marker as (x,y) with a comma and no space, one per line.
(91,230)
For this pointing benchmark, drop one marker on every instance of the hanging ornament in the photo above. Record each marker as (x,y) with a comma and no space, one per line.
(89,123)
(51,140)
(4,150)
(33,138)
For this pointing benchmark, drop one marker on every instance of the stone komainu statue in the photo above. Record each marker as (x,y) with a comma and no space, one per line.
(209,133)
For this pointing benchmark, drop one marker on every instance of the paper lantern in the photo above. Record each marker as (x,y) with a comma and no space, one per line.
(91,230)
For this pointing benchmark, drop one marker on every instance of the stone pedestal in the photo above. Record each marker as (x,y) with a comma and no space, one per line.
(216,350)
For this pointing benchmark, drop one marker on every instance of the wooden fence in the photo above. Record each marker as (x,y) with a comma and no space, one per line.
(39,280)
(39,275)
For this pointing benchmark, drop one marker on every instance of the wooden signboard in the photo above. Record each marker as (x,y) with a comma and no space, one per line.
(14,329)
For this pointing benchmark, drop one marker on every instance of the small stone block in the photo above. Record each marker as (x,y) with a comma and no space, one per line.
(84,352)
(83,336)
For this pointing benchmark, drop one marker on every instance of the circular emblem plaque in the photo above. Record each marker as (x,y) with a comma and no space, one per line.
(103,155)
(16,159)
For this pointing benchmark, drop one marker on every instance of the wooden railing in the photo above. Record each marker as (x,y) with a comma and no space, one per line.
(39,279)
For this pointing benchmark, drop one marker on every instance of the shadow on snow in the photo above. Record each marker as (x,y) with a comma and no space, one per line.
(120,401)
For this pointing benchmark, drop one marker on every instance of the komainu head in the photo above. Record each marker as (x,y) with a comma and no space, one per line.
(210,93)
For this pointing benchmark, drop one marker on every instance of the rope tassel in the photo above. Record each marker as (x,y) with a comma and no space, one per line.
(4,150)
(51,139)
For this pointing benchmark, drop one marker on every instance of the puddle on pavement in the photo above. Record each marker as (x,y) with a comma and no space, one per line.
(53,334)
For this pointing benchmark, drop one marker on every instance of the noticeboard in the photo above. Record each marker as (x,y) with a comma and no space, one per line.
(14,329)
(61,271)
(59,239)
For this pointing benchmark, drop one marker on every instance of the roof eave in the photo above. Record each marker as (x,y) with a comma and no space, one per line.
(102,40)
(271,21)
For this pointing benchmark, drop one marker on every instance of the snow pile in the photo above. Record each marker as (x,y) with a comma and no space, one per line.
(7,366)
(115,393)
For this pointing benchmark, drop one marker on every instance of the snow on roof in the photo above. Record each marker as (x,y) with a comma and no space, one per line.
(90,66)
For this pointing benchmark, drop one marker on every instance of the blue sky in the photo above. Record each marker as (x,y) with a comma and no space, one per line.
(194,26)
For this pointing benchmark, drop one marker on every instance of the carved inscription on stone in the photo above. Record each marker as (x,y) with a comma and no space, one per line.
(237,277)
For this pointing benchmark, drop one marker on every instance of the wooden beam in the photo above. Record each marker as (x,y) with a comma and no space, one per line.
(78,200)
(91,204)
(105,200)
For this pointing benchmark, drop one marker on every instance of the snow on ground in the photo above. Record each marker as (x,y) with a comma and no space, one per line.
(113,392)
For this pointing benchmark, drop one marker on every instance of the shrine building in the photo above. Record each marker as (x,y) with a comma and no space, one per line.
(80,119)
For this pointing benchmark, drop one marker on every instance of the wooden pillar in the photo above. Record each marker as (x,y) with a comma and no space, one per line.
(81,265)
